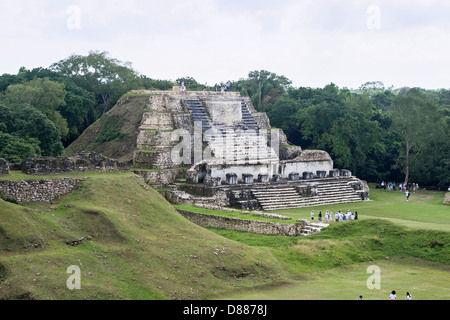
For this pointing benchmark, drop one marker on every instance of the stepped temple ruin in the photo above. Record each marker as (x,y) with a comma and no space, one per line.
(212,148)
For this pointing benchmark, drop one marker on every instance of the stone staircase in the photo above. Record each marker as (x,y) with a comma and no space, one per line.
(287,197)
(247,118)
(313,227)
(199,113)
(337,192)
(280,197)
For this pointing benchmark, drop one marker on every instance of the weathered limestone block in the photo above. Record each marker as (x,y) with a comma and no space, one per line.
(224,111)
(85,161)
(346,173)
(321,174)
(247,178)
(262,120)
(156,103)
(157,121)
(37,190)
(153,159)
(173,103)
(220,198)
(294,176)
(308,175)
(254,226)
(149,139)
(263,178)
(4,166)
(334,173)
(192,176)
(212,181)
(289,153)
(231,178)
(356,185)
(160,178)
(183,121)
(276,178)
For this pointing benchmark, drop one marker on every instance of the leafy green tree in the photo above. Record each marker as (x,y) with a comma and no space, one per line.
(155,84)
(78,110)
(432,164)
(413,117)
(27,122)
(190,83)
(43,94)
(108,78)
(263,87)
(15,149)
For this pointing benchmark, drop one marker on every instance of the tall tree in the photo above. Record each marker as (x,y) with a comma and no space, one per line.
(413,115)
(264,87)
(108,78)
(33,127)
(44,94)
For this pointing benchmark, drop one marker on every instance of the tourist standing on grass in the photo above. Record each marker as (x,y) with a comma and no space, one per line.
(331,217)
(393,296)
(407,195)
(356,215)
(320,216)
(408,296)
(327,216)
(312,214)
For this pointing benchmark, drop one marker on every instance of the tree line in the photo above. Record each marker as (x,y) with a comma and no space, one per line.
(378,133)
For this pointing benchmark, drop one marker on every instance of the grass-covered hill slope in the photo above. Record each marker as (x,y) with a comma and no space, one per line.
(114,134)
(135,246)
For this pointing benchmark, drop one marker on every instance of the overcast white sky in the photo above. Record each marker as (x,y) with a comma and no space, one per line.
(313,43)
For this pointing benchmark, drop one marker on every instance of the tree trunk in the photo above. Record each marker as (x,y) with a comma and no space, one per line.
(105,102)
(408,148)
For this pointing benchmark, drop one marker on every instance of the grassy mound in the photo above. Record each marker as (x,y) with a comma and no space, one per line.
(128,242)
(114,134)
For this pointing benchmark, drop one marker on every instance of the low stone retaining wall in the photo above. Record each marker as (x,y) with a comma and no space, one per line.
(220,198)
(160,178)
(261,227)
(37,190)
(84,161)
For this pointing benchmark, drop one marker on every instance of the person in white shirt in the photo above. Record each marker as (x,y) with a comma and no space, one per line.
(393,296)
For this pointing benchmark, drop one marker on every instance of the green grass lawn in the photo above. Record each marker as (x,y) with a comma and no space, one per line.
(138,247)
(423,280)
(424,210)
(409,241)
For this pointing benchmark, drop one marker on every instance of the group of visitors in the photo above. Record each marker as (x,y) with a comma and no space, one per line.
(393,296)
(402,187)
(338,217)
(223,88)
